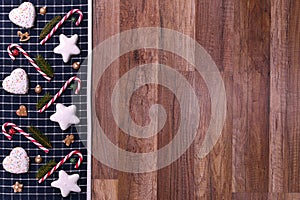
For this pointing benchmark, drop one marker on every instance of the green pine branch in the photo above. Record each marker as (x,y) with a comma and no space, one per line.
(44,169)
(48,27)
(44,65)
(43,101)
(39,136)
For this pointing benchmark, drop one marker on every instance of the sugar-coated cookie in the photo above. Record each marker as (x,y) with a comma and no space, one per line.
(66,183)
(24,15)
(65,116)
(67,47)
(17,162)
(17,82)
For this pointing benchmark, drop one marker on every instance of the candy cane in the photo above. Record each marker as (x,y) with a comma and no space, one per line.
(12,125)
(61,22)
(28,57)
(58,94)
(49,173)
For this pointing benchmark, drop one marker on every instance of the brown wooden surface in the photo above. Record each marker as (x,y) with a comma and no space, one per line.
(256,46)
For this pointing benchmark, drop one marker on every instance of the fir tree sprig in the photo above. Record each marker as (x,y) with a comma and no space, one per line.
(48,27)
(44,65)
(45,99)
(45,168)
(39,136)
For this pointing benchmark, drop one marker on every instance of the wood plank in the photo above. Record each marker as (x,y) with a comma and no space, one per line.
(284,106)
(293,98)
(214,31)
(142,185)
(134,14)
(265,196)
(104,16)
(183,23)
(105,189)
(278,96)
(251,96)
(177,180)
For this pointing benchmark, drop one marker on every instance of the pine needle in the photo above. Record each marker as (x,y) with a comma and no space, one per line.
(39,136)
(44,65)
(45,99)
(47,29)
(44,169)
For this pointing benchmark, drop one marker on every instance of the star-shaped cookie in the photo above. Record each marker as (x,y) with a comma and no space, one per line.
(66,183)
(67,47)
(65,116)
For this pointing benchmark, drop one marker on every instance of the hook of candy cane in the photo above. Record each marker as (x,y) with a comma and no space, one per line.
(49,173)
(28,58)
(59,24)
(12,125)
(62,89)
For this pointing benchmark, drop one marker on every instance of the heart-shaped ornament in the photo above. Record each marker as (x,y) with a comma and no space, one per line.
(16,82)
(24,15)
(17,162)
(22,111)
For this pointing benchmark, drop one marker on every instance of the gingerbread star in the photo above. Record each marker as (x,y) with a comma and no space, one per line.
(18,187)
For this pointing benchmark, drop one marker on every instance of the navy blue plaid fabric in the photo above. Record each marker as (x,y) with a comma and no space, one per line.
(10,103)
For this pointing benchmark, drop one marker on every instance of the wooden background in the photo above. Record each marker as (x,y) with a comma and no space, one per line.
(256,46)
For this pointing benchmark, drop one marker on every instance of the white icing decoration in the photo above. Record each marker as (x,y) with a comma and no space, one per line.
(66,183)
(67,47)
(16,82)
(65,116)
(24,15)
(17,162)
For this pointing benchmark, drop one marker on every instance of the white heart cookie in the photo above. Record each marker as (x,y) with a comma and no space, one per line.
(16,82)
(17,162)
(24,15)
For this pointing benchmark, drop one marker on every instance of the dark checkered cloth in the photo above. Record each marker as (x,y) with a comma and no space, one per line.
(10,103)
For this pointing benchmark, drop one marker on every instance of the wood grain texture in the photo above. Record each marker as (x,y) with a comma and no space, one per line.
(177,180)
(293,98)
(278,97)
(251,95)
(214,30)
(104,15)
(105,189)
(136,14)
(255,45)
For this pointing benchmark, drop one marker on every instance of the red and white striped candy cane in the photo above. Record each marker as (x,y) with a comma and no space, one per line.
(28,57)
(49,173)
(62,89)
(54,29)
(12,125)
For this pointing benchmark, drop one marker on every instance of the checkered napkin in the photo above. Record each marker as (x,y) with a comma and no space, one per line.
(9,103)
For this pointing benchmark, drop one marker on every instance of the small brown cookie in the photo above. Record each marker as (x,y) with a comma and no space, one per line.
(22,111)
(69,140)
(18,187)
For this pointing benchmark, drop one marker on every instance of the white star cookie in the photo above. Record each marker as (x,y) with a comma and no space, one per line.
(65,116)
(67,47)
(66,183)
